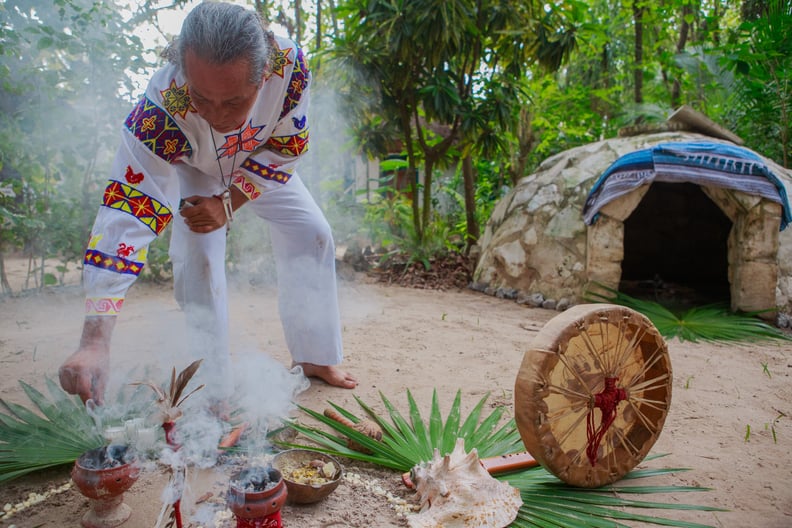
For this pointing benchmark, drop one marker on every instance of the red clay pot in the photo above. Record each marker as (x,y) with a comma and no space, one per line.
(257,509)
(104,488)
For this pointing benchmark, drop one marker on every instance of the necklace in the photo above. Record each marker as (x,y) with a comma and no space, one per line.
(225,183)
(225,196)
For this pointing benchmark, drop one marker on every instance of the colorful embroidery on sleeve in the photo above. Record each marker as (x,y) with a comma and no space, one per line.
(176,99)
(289,145)
(124,198)
(103,305)
(158,131)
(246,187)
(281,61)
(297,84)
(268,173)
(112,263)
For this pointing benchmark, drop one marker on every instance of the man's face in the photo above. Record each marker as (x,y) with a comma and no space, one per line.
(222,94)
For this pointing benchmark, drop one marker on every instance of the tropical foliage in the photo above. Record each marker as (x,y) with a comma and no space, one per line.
(54,432)
(547,501)
(713,322)
(406,443)
(472,95)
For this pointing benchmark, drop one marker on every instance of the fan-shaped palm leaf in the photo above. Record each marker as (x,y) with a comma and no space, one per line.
(406,443)
(55,433)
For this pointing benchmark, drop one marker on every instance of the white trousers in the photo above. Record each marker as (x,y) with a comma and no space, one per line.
(304,251)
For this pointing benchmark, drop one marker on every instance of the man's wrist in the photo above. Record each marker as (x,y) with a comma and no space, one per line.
(228,208)
(97,331)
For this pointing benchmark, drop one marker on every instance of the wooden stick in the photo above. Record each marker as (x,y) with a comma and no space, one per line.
(494,465)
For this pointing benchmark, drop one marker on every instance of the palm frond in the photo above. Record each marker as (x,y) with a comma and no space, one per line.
(406,443)
(712,322)
(547,502)
(54,432)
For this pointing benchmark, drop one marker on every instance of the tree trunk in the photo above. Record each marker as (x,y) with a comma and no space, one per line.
(333,16)
(469,178)
(404,117)
(429,163)
(638,11)
(684,29)
(5,286)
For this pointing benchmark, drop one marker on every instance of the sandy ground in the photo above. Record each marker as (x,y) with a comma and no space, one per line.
(398,339)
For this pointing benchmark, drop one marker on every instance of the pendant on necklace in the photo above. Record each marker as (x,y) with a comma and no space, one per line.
(226,184)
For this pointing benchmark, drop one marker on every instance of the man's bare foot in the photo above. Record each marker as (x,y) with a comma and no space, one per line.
(330,374)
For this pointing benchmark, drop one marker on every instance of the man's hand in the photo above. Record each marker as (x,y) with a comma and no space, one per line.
(85,372)
(205,214)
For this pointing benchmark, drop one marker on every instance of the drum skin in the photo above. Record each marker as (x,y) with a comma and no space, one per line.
(584,432)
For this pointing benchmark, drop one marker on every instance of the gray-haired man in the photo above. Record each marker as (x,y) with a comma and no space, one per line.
(221,126)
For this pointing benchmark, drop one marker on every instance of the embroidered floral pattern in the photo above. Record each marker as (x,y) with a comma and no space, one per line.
(297,84)
(158,131)
(176,99)
(289,145)
(245,140)
(281,61)
(149,211)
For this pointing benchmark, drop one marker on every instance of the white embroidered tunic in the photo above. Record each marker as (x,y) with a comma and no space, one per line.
(163,131)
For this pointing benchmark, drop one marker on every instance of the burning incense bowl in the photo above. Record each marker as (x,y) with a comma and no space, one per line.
(103,475)
(255,496)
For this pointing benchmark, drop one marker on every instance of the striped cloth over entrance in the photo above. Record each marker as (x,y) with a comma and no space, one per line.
(702,163)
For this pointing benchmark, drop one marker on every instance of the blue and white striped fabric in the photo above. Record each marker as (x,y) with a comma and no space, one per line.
(702,163)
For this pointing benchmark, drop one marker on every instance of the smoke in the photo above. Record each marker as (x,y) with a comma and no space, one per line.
(76,118)
(267,392)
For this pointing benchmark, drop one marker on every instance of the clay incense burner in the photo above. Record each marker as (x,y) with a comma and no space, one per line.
(103,475)
(255,496)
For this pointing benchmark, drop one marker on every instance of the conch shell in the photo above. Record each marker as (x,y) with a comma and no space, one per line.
(456,491)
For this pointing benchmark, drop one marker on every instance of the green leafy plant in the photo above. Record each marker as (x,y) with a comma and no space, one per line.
(712,322)
(55,433)
(407,443)
(546,500)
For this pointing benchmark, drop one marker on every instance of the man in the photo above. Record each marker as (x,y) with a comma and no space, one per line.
(221,126)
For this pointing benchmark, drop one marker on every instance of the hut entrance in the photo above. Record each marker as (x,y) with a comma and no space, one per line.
(675,248)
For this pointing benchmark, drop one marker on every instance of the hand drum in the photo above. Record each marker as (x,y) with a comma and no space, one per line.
(592,393)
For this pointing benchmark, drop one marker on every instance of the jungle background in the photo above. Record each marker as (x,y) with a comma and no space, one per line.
(425,112)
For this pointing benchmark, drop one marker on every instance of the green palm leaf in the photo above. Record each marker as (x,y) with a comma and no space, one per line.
(547,502)
(54,432)
(712,322)
(406,443)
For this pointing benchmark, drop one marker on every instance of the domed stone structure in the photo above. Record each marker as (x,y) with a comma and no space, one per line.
(695,239)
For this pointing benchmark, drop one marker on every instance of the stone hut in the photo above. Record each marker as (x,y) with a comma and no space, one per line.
(701,241)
